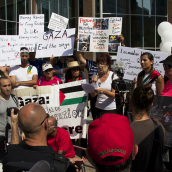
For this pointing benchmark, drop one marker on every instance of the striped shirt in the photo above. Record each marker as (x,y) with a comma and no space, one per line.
(92,68)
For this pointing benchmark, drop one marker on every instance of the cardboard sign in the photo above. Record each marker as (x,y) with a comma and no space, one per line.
(99,34)
(131,60)
(29,27)
(58,43)
(71,114)
(57,22)
(9,50)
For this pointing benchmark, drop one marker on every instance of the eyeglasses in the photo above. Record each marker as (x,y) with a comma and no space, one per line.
(75,69)
(167,66)
(45,118)
(100,64)
(51,127)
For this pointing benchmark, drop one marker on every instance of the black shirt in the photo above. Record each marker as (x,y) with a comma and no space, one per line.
(26,153)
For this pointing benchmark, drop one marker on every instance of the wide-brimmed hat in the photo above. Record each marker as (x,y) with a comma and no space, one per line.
(46,66)
(72,65)
(167,61)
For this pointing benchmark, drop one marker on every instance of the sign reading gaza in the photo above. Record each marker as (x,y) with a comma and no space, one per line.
(99,34)
(58,43)
(131,60)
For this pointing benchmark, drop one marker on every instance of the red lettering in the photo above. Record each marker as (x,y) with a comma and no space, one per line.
(95,47)
(98,31)
(85,20)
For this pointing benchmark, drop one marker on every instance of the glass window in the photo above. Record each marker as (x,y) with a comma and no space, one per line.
(20,8)
(123,6)
(2,28)
(45,11)
(97,6)
(136,31)
(149,31)
(149,7)
(53,8)
(109,6)
(2,9)
(11,28)
(136,6)
(11,10)
(28,7)
(161,7)
(80,8)
(73,23)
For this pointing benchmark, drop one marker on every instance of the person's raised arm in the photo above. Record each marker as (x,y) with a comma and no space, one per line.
(160,84)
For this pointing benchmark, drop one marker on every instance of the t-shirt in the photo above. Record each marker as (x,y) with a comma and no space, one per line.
(62,141)
(92,68)
(33,154)
(143,137)
(38,66)
(3,115)
(58,66)
(43,81)
(22,75)
(104,102)
(167,91)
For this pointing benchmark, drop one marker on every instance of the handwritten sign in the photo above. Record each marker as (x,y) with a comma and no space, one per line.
(131,59)
(9,50)
(58,43)
(99,34)
(57,22)
(29,27)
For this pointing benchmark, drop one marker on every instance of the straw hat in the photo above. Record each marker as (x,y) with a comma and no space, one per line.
(72,65)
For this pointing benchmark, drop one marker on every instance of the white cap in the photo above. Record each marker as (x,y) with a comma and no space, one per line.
(47,66)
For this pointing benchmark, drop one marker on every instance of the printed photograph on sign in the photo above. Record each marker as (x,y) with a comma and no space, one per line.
(113,47)
(100,24)
(84,47)
(114,39)
(84,38)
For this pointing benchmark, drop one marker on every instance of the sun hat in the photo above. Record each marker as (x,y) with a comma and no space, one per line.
(72,65)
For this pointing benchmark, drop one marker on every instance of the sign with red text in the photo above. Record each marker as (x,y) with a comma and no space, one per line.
(9,50)
(57,43)
(99,34)
(29,27)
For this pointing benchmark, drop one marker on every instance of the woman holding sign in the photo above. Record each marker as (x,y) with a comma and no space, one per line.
(148,75)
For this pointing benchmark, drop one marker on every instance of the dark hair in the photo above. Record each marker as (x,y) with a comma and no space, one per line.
(142,98)
(125,167)
(104,57)
(68,75)
(142,73)
(24,48)
(75,59)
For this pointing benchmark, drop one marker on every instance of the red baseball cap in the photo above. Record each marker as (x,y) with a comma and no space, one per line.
(110,135)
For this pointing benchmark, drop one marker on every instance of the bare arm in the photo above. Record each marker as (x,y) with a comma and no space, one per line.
(61,152)
(160,84)
(28,83)
(15,132)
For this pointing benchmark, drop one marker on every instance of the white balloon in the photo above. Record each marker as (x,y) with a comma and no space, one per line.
(166,36)
(160,45)
(164,26)
(166,47)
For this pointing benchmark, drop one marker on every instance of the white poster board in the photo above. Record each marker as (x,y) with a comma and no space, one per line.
(58,43)
(99,34)
(131,60)
(57,22)
(29,27)
(71,114)
(9,50)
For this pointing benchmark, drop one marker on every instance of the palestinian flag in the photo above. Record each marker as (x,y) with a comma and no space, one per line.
(151,78)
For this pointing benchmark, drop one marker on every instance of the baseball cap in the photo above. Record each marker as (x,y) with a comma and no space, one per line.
(167,61)
(47,66)
(110,135)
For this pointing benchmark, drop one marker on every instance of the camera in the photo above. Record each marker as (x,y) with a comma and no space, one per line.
(9,111)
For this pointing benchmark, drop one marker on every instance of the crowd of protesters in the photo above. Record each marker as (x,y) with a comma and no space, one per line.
(113,144)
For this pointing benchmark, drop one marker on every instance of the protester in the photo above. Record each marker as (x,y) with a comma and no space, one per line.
(32,119)
(73,72)
(111,144)
(7,100)
(149,157)
(148,75)
(36,62)
(105,93)
(25,75)
(48,78)
(59,139)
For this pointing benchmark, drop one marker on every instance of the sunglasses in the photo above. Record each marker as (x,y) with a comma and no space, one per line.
(45,118)
(167,66)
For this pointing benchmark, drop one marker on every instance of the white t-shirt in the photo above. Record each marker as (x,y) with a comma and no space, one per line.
(22,75)
(104,102)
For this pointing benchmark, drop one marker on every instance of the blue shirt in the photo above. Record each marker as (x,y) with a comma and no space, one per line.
(38,66)
(58,66)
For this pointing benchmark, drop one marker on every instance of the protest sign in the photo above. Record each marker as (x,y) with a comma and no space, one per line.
(130,57)
(9,50)
(57,22)
(99,34)
(71,114)
(29,27)
(58,43)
